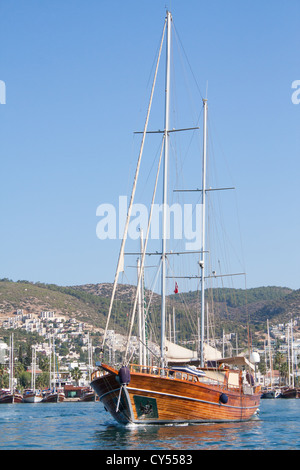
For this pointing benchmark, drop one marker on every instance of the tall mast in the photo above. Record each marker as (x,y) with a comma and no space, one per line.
(292,353)
(165,189)
(11,378)
(143,320)
(32,368)
(202,261)
(140,312)
(54,380)
(90,356)
(50,361)
(270,354)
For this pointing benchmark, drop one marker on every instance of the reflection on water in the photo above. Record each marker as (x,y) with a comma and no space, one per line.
(184,437)
(88,426)
(278,427)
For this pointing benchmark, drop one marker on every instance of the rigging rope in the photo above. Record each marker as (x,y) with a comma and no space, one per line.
(121,254)
(145,247)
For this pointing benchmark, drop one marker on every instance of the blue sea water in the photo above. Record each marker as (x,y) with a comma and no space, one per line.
(86,426)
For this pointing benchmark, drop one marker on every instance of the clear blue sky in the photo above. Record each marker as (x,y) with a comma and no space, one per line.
(76,74)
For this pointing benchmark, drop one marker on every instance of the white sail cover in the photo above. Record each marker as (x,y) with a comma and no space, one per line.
(179,354)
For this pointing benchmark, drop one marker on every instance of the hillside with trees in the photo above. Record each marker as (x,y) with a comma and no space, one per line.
(233,309)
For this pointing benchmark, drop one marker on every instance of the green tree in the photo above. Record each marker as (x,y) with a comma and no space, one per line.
(44,363)
(262,367)
(42,380)
(24,379)
(278,360)
(18,369)
(4,378)
(284,371)
(63,350)
(76,374)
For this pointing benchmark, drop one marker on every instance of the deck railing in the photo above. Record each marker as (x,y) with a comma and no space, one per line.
(169,373)
(98,373)
(174,374)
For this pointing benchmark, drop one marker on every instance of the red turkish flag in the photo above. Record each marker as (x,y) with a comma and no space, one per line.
(176,288)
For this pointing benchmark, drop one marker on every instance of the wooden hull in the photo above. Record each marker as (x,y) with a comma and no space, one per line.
(89,396)
(289,393)
(53,398)
(153,399)
(11,398)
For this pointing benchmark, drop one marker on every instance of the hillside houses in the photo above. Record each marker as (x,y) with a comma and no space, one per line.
(65,330)
(45,324)
(70,333)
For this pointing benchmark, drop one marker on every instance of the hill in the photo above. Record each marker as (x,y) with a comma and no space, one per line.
(281,310)
(89,303)
(254,305)
(33,298)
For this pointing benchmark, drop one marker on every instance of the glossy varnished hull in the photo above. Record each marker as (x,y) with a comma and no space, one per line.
(153,399)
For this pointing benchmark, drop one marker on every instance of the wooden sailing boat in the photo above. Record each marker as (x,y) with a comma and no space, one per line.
(89,394)
(270,391)
(32,395)
(11,395)
(290,391)
(150,394)
(53,394)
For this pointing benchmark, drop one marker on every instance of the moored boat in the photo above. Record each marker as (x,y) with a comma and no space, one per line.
(271,393)
(32,396)
(53,396)
(6,396)
(11,395)
(289,392)
(88,395)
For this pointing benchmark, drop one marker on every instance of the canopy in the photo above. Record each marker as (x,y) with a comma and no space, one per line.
(237,361)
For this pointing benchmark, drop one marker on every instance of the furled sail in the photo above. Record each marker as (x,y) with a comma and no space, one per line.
(179,354)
